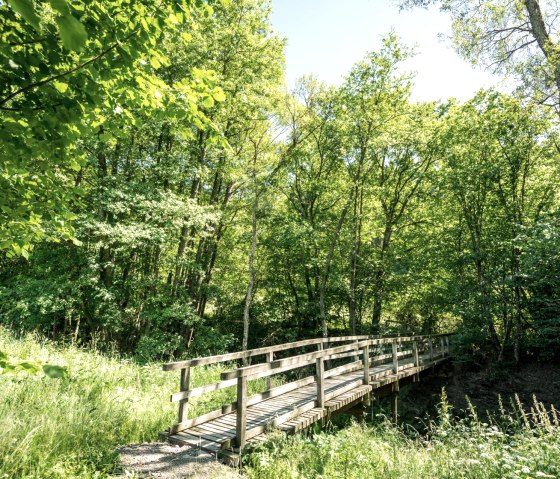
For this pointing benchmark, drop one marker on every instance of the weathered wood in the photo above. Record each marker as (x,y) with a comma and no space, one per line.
(295,361)
(415,357)
(353,366)
(320,372)
(395,405)
(184,403)
(220,358)
(395,357)
(294,405)
(365,360)
(241,411)
(269,358)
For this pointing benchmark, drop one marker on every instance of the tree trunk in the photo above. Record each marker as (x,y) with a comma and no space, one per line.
(251,284)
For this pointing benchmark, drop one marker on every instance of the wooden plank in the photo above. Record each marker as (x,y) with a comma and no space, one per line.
(203,390)
(183,439)
(195,421)
(343,369)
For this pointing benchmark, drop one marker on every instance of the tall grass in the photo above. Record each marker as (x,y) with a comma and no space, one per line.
(70,428)
(514,445)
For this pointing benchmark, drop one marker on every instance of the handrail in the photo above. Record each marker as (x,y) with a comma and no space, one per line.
(220,358)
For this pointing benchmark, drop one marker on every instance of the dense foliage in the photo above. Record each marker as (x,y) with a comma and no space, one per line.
(162,194)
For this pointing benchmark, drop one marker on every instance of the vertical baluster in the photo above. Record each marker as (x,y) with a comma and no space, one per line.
(365,350)
(395,357)
(442,346)
(320,366)
(241,426)
(416,360)
(431,348)
(269,359)
(184,386)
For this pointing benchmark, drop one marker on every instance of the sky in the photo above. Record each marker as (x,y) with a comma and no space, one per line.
(326,37)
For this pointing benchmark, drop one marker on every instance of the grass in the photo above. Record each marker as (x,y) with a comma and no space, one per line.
(515,445)
(70,428)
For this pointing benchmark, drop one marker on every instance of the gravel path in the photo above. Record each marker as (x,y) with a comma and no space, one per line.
(166,461)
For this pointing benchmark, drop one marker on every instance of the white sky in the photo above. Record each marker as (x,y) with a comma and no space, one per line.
(326,37)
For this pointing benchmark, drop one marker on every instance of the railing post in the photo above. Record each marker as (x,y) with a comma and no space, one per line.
(320,382)
(395,357)
(447,345)
(184,386)
(431,348)
(241,426)
(416,360)
(442,346)
(365,350)
(269,359)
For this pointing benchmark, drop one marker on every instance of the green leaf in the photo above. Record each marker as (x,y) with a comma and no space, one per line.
(208,102)
(26,10)
(60,86)
(3,356)
(60,6)
(155,63)
(72,32)
(218,94)
(53,371)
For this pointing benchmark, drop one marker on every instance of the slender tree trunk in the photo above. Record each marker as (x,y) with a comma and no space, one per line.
(251,284)
(327,268)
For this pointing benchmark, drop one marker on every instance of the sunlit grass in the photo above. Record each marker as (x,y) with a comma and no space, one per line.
(71,427)
(517,445)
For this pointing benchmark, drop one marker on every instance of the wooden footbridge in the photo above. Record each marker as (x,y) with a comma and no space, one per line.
(303,386)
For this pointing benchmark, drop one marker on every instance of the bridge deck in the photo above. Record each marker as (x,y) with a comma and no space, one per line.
(300,407)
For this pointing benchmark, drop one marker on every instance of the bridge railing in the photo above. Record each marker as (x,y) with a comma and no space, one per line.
(361,351)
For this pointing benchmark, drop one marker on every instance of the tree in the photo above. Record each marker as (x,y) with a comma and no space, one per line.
(509,37)
(65,70)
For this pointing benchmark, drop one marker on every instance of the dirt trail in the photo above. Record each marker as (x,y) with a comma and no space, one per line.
(166,461)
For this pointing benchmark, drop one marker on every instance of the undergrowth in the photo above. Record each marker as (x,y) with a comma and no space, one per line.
(71,427)
(515,445)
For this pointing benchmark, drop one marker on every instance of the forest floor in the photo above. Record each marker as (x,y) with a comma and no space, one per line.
(483,388)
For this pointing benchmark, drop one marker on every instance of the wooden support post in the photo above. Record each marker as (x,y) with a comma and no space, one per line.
(416,360)
(241,426)
(395,403)
(184,386)
(431,348)
(447,345)
(320,382)
(442,346)
(365,350)
(269,359)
